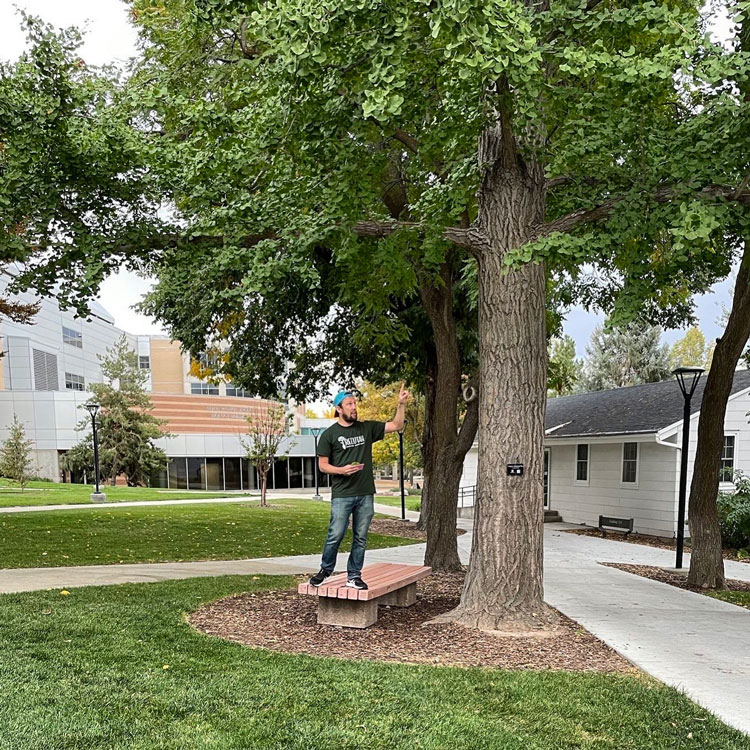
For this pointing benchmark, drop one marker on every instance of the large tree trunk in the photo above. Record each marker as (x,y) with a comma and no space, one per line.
(445,449)
(706,561)
(503,589)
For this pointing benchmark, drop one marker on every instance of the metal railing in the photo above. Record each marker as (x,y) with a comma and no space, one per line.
(467,496)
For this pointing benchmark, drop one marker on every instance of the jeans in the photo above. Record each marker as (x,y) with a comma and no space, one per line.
(360,507)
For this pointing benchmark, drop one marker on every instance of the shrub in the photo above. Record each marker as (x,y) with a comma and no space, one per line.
(734,513)
(413,491)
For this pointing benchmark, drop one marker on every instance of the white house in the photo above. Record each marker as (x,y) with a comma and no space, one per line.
(617,452)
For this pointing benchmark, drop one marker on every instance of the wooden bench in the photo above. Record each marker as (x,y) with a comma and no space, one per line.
(392,584)
(615,524)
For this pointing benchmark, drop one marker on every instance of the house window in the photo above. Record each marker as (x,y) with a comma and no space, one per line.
(726,471)
(582,463)
(74,338)
(74,382)
(630,463)
(144,362)
(204,389)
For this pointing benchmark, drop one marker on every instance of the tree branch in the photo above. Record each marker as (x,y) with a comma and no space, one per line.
(662,195)
(409,141)
(469,238)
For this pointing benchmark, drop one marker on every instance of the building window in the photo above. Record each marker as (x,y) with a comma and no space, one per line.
(204,389)
(726,471)
(45,370)
(74,382)
(235,390)
(582,463)
(144,362)
(630,463)
(74,338)
(209,361)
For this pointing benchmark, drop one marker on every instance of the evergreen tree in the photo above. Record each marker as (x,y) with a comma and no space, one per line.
(127,428)
(15,455)
(80,459)
(624,356)
(563,369)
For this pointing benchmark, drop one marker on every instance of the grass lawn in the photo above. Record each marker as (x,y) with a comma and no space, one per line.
(412,501)
(117,668)
(51,493)
(169,533)
(740,598)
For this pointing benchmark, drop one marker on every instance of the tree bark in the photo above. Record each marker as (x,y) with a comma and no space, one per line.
(263,486)
(706,561)
(503,589)
(444,455)
(428,455)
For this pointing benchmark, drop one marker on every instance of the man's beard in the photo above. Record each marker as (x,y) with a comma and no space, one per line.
(349,419)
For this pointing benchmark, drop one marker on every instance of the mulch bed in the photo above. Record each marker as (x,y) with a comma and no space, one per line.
(285,621)
(674,579)
(651,541)
(396,527)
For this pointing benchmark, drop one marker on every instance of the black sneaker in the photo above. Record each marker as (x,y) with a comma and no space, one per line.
(356,583)
(319,577)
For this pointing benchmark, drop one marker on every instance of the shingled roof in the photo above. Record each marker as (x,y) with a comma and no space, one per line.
(635,409)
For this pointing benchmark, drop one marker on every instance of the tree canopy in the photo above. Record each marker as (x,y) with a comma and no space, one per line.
(600,143)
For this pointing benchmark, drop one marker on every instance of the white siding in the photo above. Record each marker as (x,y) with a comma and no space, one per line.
(735,423)
(650,502)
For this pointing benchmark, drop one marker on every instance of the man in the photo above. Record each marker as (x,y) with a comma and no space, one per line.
(345,452)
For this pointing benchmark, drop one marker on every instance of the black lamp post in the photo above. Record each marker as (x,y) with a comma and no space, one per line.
(687,379)
(92,409)
(401,469)
(316,431)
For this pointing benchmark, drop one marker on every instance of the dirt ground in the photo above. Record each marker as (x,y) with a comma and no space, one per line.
(285,621)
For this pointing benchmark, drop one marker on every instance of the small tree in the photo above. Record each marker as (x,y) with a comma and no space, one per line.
(127,428)
(691,350)
(15,455)
(563,369)
(264,438)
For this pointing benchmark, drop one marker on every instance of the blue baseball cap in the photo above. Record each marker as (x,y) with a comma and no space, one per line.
(340,396)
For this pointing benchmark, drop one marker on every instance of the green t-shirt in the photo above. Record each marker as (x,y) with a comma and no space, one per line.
(351,445)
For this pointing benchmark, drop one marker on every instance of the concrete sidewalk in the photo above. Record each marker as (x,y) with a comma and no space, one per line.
(238,498)
(692,642)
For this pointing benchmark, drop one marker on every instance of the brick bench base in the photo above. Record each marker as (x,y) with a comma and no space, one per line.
(391,584)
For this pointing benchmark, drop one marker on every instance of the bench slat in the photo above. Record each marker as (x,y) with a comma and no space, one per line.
(382,578)
(421,572)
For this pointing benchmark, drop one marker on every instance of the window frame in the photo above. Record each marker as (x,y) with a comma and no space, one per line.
(70,383)
(623,481)
(205,389)
(141,357)
(71,337)
(577,460)
(734,436)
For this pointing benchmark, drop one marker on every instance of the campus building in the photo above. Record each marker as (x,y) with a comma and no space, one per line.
(48,365)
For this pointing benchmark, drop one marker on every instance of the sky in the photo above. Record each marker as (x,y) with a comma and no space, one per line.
(111,39)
